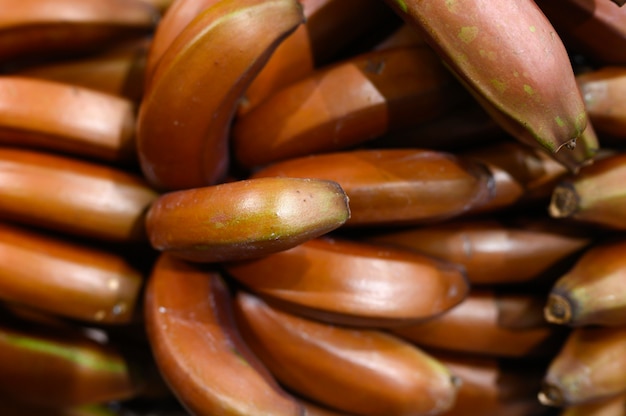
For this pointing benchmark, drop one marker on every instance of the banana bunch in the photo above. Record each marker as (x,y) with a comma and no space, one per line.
(312,207)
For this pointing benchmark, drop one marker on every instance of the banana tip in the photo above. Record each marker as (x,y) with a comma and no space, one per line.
(564,201)
(558,310)
(550,396)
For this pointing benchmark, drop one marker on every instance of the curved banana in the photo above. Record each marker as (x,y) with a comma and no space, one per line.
(52,28)
(73,196)
(63,277)
(359,371)
(346,104)
(490,324)
(71,119)
(511,59)
(396,186)
(493,251)
(350,283)
(198,347)
(244,219)
(184,118)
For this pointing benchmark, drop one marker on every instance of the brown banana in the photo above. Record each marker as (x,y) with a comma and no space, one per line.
(492,251)
(63,277)
(346,104)
(352,283)
(61,117)
(396,186)
(511,59)
(198,348)
(184,118)
(595,195)
(590,367)
(491,324)
(614,406)
(604,90)
(54,28)
(590,293)
(72,196)
(245,219)
(594,28)
(362,372)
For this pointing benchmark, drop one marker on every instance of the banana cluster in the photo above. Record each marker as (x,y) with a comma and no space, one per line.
(312,207)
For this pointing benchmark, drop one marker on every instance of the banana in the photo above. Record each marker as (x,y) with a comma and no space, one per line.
(53,28)
(63,277)
(494,387)
(511,59)
(492,251)
(10,408)
(590,367)
(184,118)
(72,196)
(346,104)
(118,71)
(364,372)
(396,186)
(198,348)
(245,219)
(331,27)
(161,5)
(594,28)
(595,195)
(351,283)
(604,90)
(178,16)
(39,364)
(590,293)
(60,117)
(490,324)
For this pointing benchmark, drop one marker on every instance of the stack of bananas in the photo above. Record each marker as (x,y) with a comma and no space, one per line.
(312,207)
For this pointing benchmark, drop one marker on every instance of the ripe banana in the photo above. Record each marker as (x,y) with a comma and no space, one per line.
(198,347)
(53,28)
(363,372)
(118,71)
(63,277)
(245,219)
(490,324)
(350,283)
(60,117)
(590,293)
(590,367)
(72,196)
(492,251)
(511,59)
(39,363)
(396,186)
(604,91)
(184,118)
(595,195)
(331,27)
(346,104)
(595,28)
(613,406)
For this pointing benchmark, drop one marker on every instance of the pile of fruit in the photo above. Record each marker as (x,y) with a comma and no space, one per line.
(312,207)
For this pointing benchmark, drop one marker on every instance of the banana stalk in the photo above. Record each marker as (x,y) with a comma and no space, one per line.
(245,219)
(351,283)
(198,348)
(363,372)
